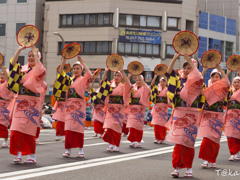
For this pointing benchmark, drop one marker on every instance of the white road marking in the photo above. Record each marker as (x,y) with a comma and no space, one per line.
(31,173)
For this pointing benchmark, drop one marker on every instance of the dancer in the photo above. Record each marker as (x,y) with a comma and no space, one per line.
(119,95)
(160,109)
(75,105)
(211,116)
(28,82)
(232,130)
(5,98)
(97,112)
(184,92)
(140,95)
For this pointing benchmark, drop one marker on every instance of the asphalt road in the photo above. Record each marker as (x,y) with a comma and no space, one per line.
(153,161)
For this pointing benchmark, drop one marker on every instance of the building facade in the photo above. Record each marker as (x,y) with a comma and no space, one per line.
(140,30)
(14,14)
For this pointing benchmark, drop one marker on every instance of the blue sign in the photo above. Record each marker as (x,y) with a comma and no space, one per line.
(138,36)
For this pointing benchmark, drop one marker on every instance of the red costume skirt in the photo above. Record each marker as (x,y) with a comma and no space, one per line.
(22,142)
(233,145)
(135,135)
(209,150)
(38,132)
(98,127)
(112,137)
(60,128)
(160,132)
(125,130)
(182,156)
(73,139)
(3,131)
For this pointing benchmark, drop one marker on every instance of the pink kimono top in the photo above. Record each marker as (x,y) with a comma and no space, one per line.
(25,111)
(183,122)
(115,109)
(232,115)
(75,104)
(5,97)
(97,112)
(58,108)
(139,101)
(211,116)
(160,109)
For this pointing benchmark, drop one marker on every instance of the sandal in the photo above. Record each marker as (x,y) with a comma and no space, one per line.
(204,165)
(188,175)
(116,150)
(56,139)
(132,145)
(66,154)
(30,161)
(17,160)
(155,142)
(175,174)
(80,156)
(138,146)
(231,158)
(5,146)
(213,165)
(236,157)
(110,149)
(161,142)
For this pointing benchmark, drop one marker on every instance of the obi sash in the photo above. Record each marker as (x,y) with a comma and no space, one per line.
(182,103)
(135,101)
(73,94)
(161,99)
(116,100)
(24,91)
(216,107)
(234,104)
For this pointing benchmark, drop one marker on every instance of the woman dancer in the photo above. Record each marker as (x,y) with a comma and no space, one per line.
(160,109)
(232,130)
(75,105)
(184,92)
(211,116)
(5,97)
(118,94)
(28,82)
(136,111)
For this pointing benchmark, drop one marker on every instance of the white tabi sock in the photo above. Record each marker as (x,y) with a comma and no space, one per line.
(81,151)
(59,136)
(5,142)
(68,151)
(177,169)
(19,154)
(189,170)
(32,156)
(205,162)
(110,146)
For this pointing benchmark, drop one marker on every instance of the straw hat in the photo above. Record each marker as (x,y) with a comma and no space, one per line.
(114,61)
(28,35)
(71,50)
(96,73)
(67,68)
(1,58)
(185,42)
(135,68)
(233,62)
(211,58)
(160,69)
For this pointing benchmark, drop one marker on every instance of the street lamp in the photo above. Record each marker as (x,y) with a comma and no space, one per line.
(57,33)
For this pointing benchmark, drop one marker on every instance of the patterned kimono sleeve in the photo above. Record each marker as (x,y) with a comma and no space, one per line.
(61,85)
(154,93)
(15,76)
(172,87)
(93,96)
(104,90)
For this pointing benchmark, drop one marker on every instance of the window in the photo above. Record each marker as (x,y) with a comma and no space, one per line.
(173,23)
(126,20)
(83,20)
(229,49)
(2,29)
(21,1)
(170,51)
(189,25)
(91,47)
(21,60)
(19,26)
(138,49)
(153,21)
(3,1)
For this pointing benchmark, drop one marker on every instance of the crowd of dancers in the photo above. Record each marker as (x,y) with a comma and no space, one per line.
(118,106)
